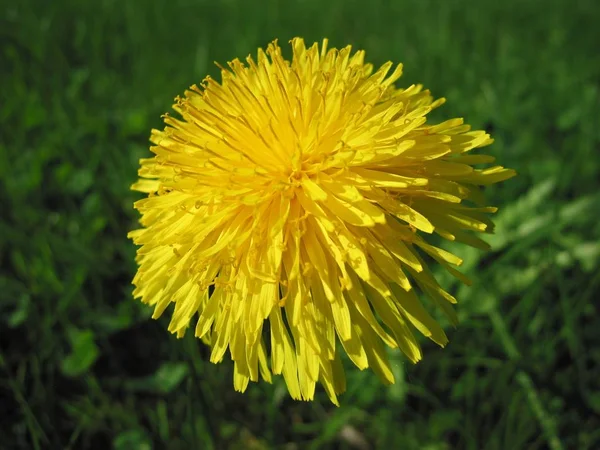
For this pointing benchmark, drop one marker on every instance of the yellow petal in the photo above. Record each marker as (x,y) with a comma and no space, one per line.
(284,357)
(361,213)
(413,310)
(146,186)
(388,180)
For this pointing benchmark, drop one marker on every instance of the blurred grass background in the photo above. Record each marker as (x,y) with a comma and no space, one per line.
(81,364)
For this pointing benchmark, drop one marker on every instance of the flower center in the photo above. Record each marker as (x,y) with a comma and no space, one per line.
(295,178)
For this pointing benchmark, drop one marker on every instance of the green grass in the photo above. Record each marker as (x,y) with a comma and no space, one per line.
(82,365)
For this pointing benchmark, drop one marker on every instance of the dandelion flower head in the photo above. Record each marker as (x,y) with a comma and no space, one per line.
(288,212)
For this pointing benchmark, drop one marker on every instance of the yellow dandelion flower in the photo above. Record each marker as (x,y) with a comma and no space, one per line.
(288,208)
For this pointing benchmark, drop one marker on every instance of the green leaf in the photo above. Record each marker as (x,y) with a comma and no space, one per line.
(18,316)
(579,210)
(586,253)
(163,381)
(80,181)
(132,440)
(84,353)
(169,376)
(594,401)
(334,424)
